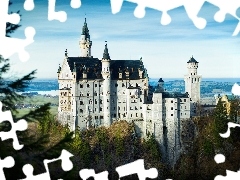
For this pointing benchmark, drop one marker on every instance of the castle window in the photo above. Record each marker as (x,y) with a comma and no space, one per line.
(131,115)
(180,100)
(116,85)
(114,115)
(136,114)
(95,93)
(90,101)
(100,108)
(95,85)
(81,102)
(88,94)
(171,108)
(118,108)
(124,108)
(123,85)
(171,101)
(95,101)
(101,117)
(184,100)
(171,114)
(81,111)
(88,85)
(81,85)
(141,115)
(100,101)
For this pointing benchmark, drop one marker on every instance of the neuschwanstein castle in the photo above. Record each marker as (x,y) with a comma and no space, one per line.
(96,92)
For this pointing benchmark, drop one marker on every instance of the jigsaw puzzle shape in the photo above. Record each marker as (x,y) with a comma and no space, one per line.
(9,46)
(236,89)
(138,168)
(21,125)
(7,162)
(60,15)
(219,158)
(28,5)
(75,4)
(230,125)
(87,173)
(67,165)
(192,9)
(231,175)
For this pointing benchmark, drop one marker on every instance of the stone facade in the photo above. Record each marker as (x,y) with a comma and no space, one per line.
(95,92)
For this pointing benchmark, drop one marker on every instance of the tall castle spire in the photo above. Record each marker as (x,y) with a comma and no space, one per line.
(85,42)
(105,53)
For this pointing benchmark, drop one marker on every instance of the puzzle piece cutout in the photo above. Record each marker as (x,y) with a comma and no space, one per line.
(236,89)
(28,5)
(138,168)
(7,162)
(87,173)
(192,9)
(219,158)
(230,125)
(67,165)
(21,125)
(9,46)
(231,175)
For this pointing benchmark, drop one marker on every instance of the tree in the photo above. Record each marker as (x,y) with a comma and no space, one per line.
(34,145)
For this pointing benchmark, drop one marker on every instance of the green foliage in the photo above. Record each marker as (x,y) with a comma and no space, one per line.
(119,143)
(151,146)
(102,138)
(220,117)
(208,148)
(234,109)
(85,152)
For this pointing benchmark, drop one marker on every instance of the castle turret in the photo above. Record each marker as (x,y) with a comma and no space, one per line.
(192,80)
(85,43)
(160,85)
(106,86)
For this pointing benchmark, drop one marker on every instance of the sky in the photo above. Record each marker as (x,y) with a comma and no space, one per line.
(165,50)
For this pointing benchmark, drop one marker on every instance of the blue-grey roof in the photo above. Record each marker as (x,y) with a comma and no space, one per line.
(94,67)
(192,60)
(160,80)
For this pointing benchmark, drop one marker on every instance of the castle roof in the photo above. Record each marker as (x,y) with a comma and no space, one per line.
(94,68)
(160,80)
(85,30)
(106,54)
(174,95)
(192,60)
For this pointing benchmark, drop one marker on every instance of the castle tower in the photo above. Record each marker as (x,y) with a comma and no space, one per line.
(85,43)
(161,85)
(192,80)
(106,86)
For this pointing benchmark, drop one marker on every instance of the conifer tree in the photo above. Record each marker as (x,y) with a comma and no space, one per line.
(34,146)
